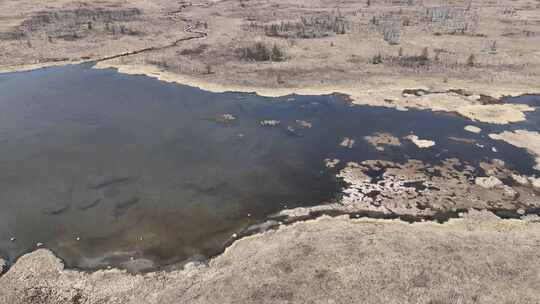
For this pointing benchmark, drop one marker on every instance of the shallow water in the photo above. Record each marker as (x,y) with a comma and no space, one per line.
(105,168)
(533,117)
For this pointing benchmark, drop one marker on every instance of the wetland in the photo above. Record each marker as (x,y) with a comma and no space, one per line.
(114,170)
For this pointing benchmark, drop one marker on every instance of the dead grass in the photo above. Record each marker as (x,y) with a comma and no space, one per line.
(488,48)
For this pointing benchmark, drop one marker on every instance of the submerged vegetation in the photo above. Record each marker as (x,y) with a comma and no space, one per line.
(140,164)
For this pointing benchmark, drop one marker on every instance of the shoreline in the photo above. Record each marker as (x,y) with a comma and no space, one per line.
(445,99)
(291,217)
(244,256)
(301,215)
(437,205)
(214,87)
(170,77)
(441,99)
(38,66)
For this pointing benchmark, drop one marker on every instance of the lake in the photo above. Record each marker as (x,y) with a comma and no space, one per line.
(107,169)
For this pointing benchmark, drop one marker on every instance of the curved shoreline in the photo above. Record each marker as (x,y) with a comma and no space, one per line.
(445,99)
(291,217)
(524,139)
(368,248)
(164,78)
(304,237)
(448,99)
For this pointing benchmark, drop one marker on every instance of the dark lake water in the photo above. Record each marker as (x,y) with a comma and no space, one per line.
(104,168)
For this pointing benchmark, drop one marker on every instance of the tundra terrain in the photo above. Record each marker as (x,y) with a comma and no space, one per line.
(372,50)
(462,57)
(478,259)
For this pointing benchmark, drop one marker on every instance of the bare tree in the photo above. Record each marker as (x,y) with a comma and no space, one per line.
(392,32)
(471,60)
(425,54)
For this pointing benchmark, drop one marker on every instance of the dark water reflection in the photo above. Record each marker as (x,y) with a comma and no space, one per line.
(533,117)
(104,168)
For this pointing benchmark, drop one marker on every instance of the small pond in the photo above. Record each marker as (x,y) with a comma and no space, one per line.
(106,169)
